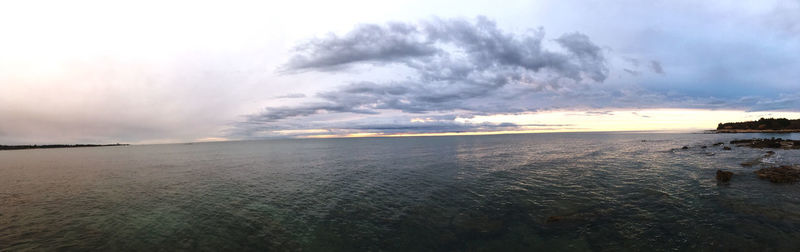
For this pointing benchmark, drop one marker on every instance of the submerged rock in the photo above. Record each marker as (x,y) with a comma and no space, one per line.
(726,148)
(724,176)
(781,174)
(751,162)
(552,219)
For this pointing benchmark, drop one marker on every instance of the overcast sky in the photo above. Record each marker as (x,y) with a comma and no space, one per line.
(176,71)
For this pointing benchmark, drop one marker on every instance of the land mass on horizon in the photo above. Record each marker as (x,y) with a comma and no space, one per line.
(769,125)
(54,146)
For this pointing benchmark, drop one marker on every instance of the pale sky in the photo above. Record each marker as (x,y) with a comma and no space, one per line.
(178,71)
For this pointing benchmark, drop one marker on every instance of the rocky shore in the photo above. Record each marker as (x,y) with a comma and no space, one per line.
(783,173)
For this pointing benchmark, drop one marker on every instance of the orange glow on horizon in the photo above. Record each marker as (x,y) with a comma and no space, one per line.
(465,133)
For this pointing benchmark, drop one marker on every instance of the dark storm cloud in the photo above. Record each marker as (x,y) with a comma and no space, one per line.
(456,63)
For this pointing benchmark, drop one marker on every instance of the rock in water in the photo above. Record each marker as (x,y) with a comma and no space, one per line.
(685,148)
(781,174)
(724,176)
(726,148)
(774,143)
(552,219)
(751,162)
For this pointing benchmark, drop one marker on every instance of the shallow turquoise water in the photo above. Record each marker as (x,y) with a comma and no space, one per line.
(608,191)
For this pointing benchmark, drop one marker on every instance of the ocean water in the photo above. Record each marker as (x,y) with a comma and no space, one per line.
(562,192)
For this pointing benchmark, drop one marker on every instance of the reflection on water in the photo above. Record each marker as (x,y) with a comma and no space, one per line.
(536,191)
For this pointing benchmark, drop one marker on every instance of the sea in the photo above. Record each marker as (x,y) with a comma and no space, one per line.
(518,192)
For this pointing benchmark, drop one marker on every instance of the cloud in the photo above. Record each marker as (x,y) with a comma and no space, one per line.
(631,72)
(781,102)
(278,113)
(656,67)
(632,61)
(456,63)
(598,113)
(480,46)
(383,125)
(143,82)
(784,16)
(634,66)
(291,96)
(592,61)
(367,42)
(640,115)
(467,67)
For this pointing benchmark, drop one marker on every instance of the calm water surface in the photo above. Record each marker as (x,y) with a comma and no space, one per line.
(607,191)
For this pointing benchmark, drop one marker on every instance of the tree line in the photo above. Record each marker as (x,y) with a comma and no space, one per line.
(762,124)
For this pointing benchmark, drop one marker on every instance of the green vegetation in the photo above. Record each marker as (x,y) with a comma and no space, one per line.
(762,124)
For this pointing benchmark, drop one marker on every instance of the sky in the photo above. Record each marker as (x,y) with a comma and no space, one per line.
(181,71)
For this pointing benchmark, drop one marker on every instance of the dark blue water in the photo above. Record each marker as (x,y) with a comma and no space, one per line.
(580,191)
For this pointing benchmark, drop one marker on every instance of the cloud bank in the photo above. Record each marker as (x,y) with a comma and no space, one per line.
(456,65)
(460,68)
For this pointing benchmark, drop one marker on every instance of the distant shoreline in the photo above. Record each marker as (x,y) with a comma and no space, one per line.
(54,146)
(763,125)
(756,131)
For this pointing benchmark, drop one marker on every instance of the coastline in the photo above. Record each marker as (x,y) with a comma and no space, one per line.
(756,131)
(55,146)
